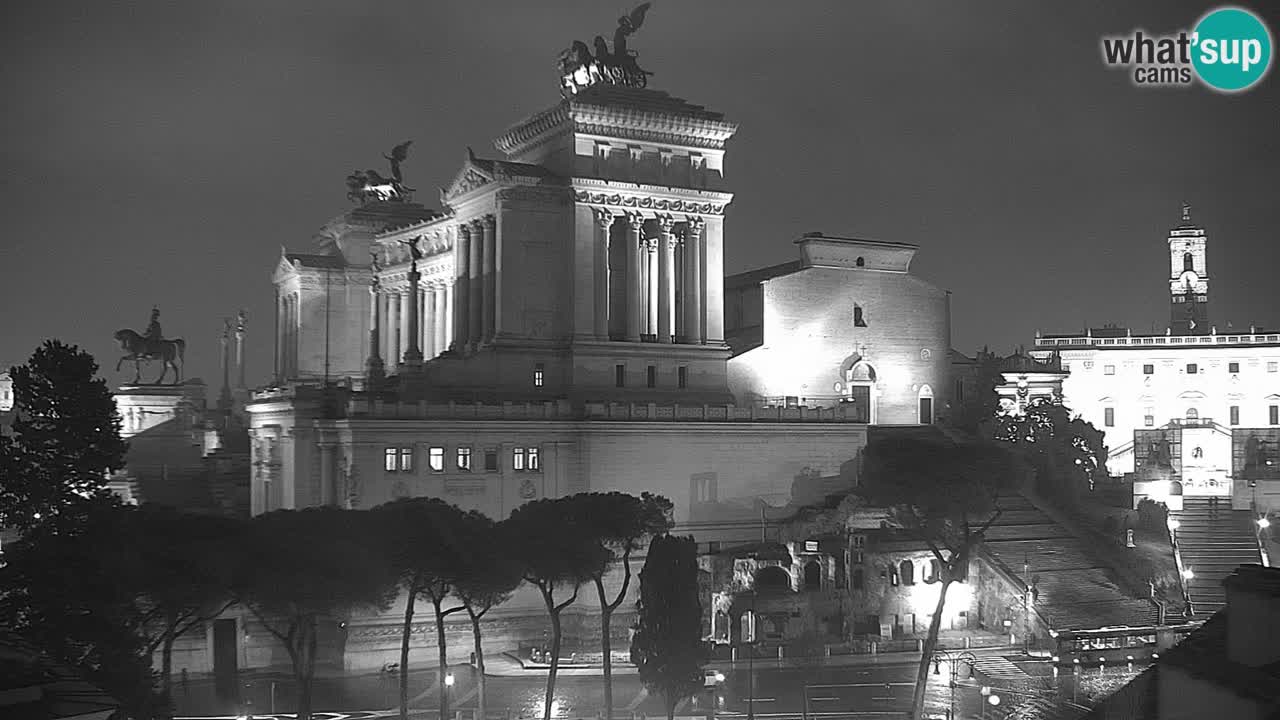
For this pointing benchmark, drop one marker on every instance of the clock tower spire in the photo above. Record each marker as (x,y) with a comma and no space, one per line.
(1188,278)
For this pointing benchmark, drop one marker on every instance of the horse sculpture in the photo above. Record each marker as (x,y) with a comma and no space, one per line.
(138,349)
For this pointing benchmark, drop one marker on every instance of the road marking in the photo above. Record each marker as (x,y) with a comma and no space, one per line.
(761,699)
(816,699)
(858,685)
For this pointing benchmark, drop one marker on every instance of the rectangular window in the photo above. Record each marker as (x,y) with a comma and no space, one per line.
(1233,367)
(620,375)
(1109,417)
(464,459)
(1234,412)
(1192,369)
(517,459)
(651,376)
(1273,414)
(389,460)
(435,459)
(811,546)
(537,375)
(1149,420)
(490,460)
(958,394)
(1273,366)
(1148,369)
(1108,369)
(406,459)
(533,459)
(682,377)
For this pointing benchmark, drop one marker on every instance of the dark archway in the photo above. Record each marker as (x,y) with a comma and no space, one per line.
(907,571)
(858,579)
(813,575)
(772,578)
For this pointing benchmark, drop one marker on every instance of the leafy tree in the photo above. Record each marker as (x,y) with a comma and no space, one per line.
(1067,453)
(620,523)
(667,646)
(492,577)
(944,494)
(187,573)
(556,550)
(976,413)
(66,436)
(70,587)
(428,554)
(306,565)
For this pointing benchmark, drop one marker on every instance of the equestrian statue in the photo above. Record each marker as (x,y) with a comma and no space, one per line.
(149,346)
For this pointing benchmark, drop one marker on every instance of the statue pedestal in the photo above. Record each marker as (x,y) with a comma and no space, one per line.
(144,407)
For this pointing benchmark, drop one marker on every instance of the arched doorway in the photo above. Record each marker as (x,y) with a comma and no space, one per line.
(858,380)
(813,575)
(924,399)
(772,578)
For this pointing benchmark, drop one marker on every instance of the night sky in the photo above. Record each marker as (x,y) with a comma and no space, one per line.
(161,152)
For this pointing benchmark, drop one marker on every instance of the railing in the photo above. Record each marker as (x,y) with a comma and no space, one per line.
(1214,339)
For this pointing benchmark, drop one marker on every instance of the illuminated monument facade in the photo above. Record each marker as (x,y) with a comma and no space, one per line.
(558,326)
(1192,411)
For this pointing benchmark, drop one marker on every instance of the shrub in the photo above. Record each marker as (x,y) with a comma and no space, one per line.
(1153,515)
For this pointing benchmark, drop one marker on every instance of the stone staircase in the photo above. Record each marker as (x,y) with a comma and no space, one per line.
(1213,543)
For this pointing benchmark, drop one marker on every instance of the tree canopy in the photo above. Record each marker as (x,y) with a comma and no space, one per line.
(1067,453)
(667,647)
(66,436)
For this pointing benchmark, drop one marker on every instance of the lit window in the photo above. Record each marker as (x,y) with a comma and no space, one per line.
(389,460)
(537,375)
(811,546)
(517,459)
(435,459)
(1234,412)
(682,376)
(1109,417)
(1108,369)
(534,461)
(1148,369)
(651,376)
(464,459)
(1192,369)
(1149,420)
(406,459)
(620,375)
(490,460)
(1233,367)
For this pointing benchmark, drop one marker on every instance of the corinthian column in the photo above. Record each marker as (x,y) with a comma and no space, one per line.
(651,286)
(441,315)
(475,282)
(374,365)
(604,220)
(634,299)
(490,311)
(461,287)
(413,353)
(666,278)
(693,286)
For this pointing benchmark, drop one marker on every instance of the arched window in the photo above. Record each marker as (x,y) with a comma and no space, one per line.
(772,578)
(925,400)
(858,319)
(860,262)
(1193,414)
(935,571)
(859,580)
(813,575)
(1175,487)
(1188,262)
(907,570)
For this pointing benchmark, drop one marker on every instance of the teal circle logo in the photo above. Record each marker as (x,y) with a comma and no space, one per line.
(1231,49)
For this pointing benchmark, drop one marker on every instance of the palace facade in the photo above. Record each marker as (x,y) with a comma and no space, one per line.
(1194,410)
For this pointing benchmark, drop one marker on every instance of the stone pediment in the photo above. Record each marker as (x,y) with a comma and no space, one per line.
(471,176)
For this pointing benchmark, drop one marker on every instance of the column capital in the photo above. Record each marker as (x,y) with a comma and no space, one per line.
(694,224)
(464,230)
(666,223)
(604,217)
(635,220)
(488,222)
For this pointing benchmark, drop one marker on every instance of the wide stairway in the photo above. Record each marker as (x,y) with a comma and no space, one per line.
(1213,543)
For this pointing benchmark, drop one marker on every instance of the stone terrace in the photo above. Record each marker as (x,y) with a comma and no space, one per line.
(1075,587)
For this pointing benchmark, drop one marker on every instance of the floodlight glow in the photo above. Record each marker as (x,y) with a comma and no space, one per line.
(719,677)
(1264,523)
(994,699)
(1174,524)
(1187,574)
(448,680)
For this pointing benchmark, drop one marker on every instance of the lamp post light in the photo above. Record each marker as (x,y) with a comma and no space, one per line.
(1187,574)
(1173,530)
(953,667)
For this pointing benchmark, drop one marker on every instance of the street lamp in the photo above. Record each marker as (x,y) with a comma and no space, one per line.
(1263,523)
(1187,574)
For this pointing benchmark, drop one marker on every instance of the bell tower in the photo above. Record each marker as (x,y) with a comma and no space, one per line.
(1188,278)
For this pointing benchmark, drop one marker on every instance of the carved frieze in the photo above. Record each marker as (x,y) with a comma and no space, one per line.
(648,203)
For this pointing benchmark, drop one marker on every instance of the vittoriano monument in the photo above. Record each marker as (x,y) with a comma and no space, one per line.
(151,345)
(579,69)
(369,186)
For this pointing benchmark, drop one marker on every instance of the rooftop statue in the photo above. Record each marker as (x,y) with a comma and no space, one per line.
(151,345)
(580,69)
(414,251)
(365,186)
